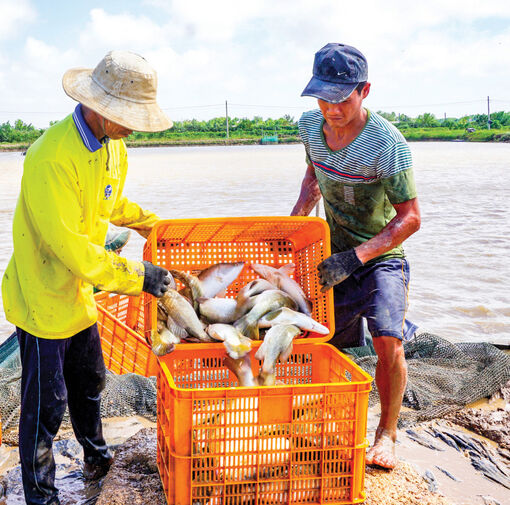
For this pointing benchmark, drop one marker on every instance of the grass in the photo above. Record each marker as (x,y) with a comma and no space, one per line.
(239,138)
(443,134)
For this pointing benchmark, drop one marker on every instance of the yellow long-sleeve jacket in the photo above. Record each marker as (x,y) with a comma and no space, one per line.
(71,189)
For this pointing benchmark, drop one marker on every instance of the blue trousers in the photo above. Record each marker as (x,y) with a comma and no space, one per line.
(376,293)
(56,373)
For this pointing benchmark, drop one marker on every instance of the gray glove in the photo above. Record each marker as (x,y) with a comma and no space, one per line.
(337,268)
(155,280)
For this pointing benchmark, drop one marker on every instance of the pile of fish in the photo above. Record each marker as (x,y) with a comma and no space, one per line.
(272,308)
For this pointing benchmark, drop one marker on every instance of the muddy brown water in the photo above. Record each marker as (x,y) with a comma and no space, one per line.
(459,274)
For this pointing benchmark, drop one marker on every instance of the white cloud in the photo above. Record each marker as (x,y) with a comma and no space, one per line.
(13,15)
(120,31)
(262,52)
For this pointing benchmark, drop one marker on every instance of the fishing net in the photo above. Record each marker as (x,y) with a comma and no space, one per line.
(442,376)
(124,395)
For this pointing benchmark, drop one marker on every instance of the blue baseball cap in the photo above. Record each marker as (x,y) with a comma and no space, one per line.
(337,70)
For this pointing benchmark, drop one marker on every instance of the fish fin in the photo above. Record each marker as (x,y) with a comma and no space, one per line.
(288,269)
(267,379)
(262,270)
(241,324)
(252,331)
(284,356)
(261,352)
(309,305)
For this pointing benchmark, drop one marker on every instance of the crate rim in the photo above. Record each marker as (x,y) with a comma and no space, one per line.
(164,222)
(164,370)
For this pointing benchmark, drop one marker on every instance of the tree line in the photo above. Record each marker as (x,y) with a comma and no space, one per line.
(499,120)
(286,126)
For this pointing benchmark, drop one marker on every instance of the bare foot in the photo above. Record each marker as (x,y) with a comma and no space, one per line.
(382,453)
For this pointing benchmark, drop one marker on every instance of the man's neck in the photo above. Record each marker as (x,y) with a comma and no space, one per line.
(94,122)
(340,137)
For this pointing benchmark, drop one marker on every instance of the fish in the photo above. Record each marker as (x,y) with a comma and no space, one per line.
(285,315)
(182,313)
(177,330)
(216,278)
(236,344)
(209,281)
(161,314)
(163,341)
(253,288)
(280,278)
(192,286)
(241,368)
(224,310)
(277,344)
(267,301)
(218,310)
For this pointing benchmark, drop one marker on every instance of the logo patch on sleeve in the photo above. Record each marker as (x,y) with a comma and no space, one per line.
(108,192)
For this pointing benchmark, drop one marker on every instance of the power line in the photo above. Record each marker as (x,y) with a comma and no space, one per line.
(272,106)
(431,104)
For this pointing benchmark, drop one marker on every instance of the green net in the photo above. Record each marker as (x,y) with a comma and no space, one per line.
(123,396)
(442,376)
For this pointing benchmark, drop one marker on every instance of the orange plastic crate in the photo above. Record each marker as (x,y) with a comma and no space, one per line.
(302,442)
(120,324)
(191,245)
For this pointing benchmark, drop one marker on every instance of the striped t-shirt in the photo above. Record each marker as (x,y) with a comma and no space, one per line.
(360,182)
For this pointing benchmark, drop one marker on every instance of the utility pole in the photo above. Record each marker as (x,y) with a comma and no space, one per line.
(226,114)
(488,114)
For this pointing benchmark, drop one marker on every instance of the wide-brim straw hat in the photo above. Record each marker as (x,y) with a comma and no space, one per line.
(122,88)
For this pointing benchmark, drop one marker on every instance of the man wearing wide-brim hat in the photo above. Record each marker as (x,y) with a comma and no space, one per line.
(72,188)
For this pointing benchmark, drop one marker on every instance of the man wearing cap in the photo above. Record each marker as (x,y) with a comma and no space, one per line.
(361,165)
(72,188)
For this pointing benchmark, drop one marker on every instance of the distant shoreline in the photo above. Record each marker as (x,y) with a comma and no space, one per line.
(410,137)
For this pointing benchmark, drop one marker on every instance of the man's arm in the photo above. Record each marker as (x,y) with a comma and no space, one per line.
(131,215)
(403,225)
(339,266)
(310,194)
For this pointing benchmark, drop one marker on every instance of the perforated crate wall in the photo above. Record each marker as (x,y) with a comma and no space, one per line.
(192,245)
(120,323)
(302,442)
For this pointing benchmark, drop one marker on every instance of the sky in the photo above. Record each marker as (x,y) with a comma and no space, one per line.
(439,56)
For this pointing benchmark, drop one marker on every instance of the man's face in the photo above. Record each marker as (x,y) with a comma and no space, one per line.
(115,131)
(339,115)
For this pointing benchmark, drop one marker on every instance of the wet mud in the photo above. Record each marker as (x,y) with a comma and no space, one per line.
(494,425)
(491,420)
(440,464)
(133,478)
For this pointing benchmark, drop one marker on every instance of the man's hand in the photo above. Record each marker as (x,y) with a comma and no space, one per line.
(337,268)
(156,279)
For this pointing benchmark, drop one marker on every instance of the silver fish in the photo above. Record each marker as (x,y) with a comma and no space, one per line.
(280,278)
(236,344)
(219,277)
(288,316)
(241,368)
(163,340)
(182,313)
(224,310)
(253,288)
(267,301)
(177,330)
(277,344)
(192,286)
